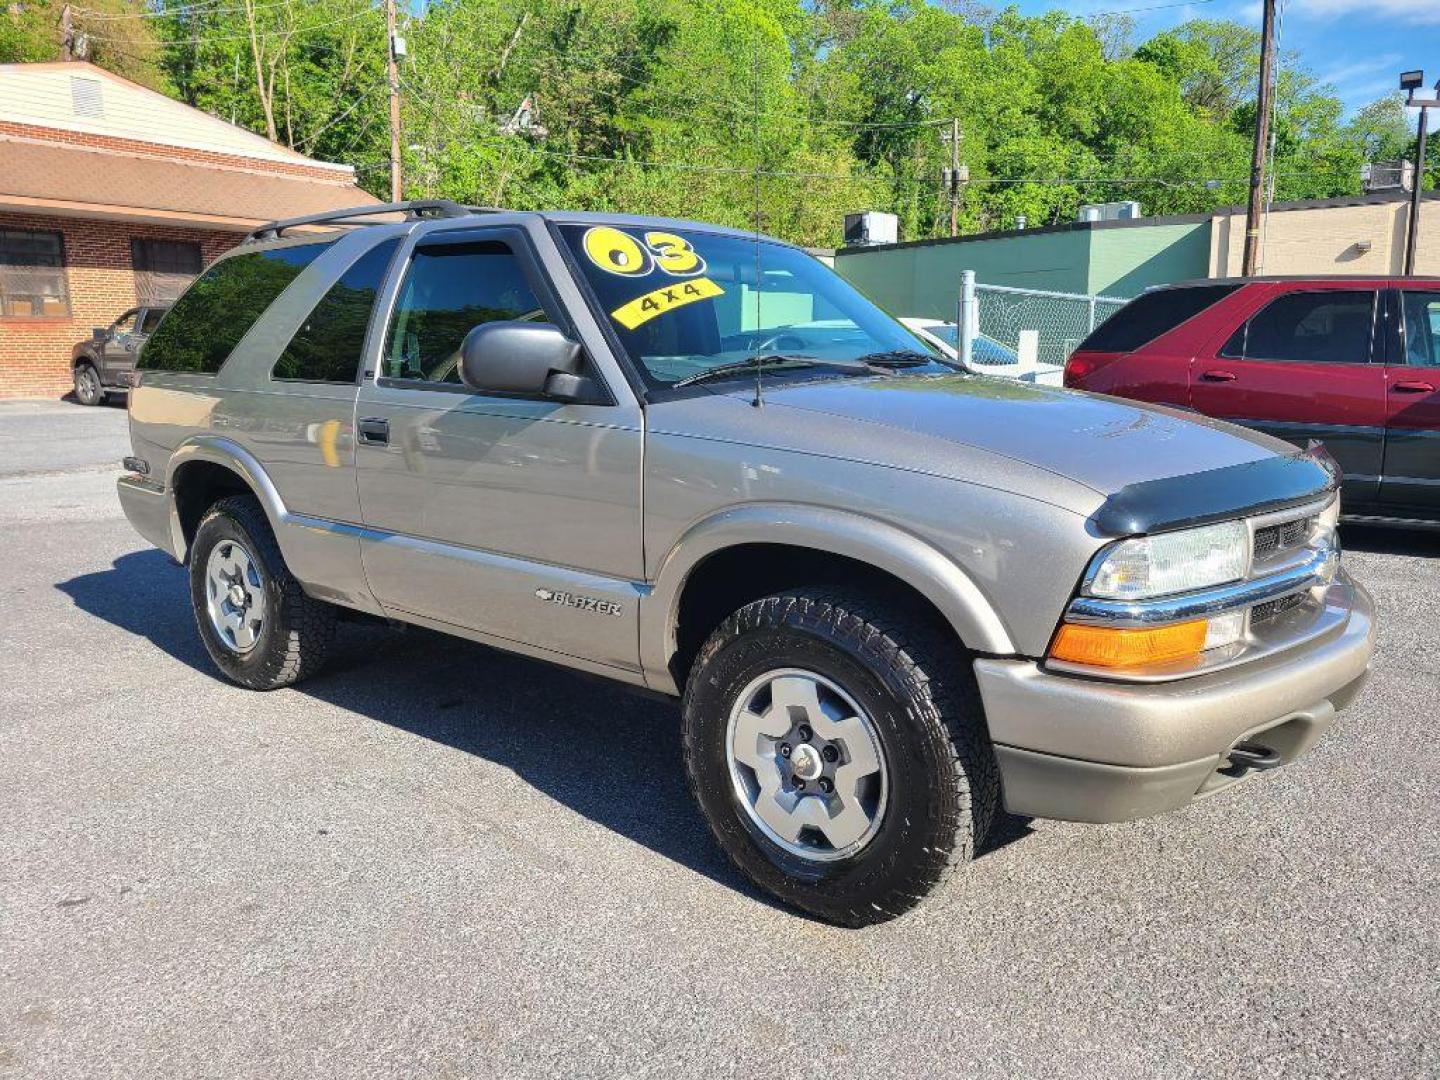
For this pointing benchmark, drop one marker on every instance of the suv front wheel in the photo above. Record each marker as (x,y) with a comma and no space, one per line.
(258,624)
(838,751)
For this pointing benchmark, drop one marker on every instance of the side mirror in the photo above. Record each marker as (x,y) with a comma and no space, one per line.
(100,333)
(523,358)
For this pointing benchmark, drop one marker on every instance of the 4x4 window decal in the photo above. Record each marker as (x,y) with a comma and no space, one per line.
(618,252)
(643,308)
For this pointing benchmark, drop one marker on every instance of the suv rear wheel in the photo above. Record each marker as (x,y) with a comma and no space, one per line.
(88,388)
(838,751)
(258,624)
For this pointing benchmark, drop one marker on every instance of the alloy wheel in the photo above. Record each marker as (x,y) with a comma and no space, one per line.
(234,596)
(807,765)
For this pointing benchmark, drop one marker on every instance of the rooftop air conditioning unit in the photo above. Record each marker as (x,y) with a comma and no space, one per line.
(871,228)
(1387,176)
(1110,211)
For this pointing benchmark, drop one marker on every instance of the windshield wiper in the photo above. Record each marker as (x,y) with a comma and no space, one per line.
(776,360)
(896,358)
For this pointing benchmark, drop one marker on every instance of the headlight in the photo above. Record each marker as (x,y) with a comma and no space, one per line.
(1174,562)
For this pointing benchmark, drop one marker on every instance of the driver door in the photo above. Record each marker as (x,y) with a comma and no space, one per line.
(117,354)
(514,518)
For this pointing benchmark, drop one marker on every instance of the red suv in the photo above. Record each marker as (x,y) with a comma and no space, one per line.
(1352,362)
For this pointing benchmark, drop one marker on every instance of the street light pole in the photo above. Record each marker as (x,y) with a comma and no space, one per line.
(1413,225)
(1410,82)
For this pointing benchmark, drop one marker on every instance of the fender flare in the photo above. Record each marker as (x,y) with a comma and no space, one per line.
(218,450)
(925,568)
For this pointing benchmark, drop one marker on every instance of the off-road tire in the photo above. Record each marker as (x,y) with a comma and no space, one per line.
(917,685)
(296,633)
(88,388)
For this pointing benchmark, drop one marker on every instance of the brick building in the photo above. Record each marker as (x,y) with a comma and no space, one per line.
(112,195)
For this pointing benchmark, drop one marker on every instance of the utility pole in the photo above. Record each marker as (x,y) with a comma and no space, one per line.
(390,49)
(955,176)
(1262,139)
(67,35)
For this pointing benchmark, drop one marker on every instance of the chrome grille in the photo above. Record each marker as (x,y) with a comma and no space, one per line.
(1270,610)
(1273,539)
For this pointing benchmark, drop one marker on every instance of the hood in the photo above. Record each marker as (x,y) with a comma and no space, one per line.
(1103,443)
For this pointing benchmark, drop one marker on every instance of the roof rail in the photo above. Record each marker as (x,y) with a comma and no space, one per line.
(355,215)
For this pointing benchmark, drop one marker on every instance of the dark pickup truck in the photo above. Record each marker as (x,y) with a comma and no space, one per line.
(106,360)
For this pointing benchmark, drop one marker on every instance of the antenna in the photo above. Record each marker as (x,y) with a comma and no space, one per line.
(759,401)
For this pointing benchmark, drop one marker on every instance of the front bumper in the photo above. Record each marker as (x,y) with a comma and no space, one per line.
(1084,749)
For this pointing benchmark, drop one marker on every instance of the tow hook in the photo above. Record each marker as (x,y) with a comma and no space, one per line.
(1251,755)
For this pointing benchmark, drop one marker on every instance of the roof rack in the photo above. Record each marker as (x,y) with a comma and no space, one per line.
(355,215)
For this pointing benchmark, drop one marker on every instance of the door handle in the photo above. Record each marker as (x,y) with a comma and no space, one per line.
(374,431)
(1413,388)
(1218,376)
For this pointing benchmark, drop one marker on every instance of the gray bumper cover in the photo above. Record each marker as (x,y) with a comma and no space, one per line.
(147,507)
(1083,749)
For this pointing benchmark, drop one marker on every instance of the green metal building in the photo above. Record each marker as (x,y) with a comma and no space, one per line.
(1113,258)
(1349,234)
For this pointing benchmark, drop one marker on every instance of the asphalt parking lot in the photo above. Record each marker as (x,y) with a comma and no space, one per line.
(440,860)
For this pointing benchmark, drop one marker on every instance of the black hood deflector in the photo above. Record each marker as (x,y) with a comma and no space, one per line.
(1253,487)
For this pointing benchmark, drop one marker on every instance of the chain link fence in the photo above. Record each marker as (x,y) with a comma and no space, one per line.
(1060,321)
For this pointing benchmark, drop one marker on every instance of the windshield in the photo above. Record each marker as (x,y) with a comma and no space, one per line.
(684,302)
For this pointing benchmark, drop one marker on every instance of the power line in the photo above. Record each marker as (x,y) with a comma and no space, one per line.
(1138,10)
(211,40)
(206,7)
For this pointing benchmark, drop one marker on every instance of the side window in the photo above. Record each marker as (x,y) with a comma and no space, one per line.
(126,323)
(217,311)
(163,268)
(1422,329)
(1332,327)
(1151,314)
(32,274)
(152,320)
(327,346)
(450,289)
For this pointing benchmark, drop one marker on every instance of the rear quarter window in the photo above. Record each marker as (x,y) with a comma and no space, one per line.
(328,344)
(1151,314)
(208,321)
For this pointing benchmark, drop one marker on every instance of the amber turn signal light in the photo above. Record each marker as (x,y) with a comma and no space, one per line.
(1111,647)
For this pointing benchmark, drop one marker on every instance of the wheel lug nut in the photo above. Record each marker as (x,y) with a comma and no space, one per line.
(784,749)
(830,753)
(805,733)
(826,786)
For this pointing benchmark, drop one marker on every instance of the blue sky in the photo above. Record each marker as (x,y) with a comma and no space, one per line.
(1358,46)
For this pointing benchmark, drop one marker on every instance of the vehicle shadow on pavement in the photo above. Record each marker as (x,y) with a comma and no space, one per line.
(1419,543)
(115,399)
(605,752)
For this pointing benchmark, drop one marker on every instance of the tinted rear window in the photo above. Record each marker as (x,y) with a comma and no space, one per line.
(327,346)
(1148,316)
(1330,327)
(208,322)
